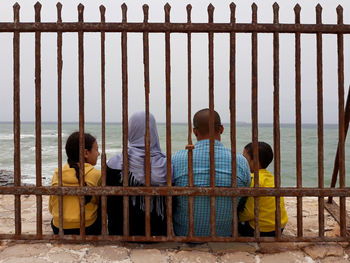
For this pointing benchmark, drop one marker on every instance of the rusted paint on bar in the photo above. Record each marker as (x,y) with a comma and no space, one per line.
(147,135)
(16,118)
(320,121)
(168,94)
(147,91)
(276,120)
(341,143)
(211,95)
(107,239)
(170,232)
(125,121)
(59,116)
(211,120)
(233,118)
(173,191)
(254,104)
(190,145)
(276,108)
(167,8)
(177,28)
(38,158)
(81,118)
(191,216)
(103,123)
(298,137)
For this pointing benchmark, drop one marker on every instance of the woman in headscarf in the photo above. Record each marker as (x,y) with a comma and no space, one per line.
(136,157)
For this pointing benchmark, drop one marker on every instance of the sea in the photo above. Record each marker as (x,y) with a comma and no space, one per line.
(179,137)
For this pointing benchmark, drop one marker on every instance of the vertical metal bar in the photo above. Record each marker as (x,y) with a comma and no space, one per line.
(81,118)
(190,145)
(211,120)
(59,115)
(335,173)
(346,127)
(147,135)
(167,8)
(38,158)
(233,118)
(125,122)
(337,163)
(341,143)
(276,121)
(298,121)
(103,128)
(255,116)
(17,118)
(320,121)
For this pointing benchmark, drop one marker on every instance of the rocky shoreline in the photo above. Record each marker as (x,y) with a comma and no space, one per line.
(17,251)
(6,178)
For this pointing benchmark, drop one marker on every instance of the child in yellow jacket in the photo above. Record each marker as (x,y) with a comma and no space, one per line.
(70,177)
(267,205)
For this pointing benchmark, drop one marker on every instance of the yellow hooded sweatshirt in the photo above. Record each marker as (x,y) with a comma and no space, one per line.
(267,206)
(71,208)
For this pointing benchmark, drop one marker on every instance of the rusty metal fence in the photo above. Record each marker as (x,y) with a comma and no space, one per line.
(232,28)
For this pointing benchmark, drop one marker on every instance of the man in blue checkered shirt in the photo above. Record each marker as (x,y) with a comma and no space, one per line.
(201,177)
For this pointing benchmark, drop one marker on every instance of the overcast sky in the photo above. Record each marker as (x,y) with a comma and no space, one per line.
(178,62)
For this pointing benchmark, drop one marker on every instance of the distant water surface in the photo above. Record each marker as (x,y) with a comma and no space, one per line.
(179,141)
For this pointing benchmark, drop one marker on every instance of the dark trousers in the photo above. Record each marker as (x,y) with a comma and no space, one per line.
(136,214)
(94,229)
(244,229)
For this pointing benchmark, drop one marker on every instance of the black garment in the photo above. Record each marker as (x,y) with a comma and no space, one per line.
(94,229)
(136,213)
(244,229)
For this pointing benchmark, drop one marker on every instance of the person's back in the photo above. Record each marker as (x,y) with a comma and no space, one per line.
(70,177)
(267,204)
(136,157)
(201,177)
(71,206)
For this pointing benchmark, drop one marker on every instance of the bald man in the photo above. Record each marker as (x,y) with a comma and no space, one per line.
(201,177)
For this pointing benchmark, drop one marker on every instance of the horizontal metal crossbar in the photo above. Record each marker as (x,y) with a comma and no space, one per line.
(174,191)
(176,27)
(78,238)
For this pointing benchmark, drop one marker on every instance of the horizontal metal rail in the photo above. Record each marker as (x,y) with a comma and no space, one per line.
(174,27)
(173,191)
(78,238)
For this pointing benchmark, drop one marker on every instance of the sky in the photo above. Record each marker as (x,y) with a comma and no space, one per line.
(200,93)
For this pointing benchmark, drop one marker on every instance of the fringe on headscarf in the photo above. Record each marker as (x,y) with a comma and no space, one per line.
(157,201)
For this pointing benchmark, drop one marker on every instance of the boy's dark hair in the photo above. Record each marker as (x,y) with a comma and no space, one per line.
(265,153)
(201,121)
(72,149)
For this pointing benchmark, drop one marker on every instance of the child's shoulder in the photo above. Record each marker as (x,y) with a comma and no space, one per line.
(92,175)
(266,178)
(265,172)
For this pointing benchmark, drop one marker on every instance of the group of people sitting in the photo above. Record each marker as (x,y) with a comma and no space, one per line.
(180,174)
